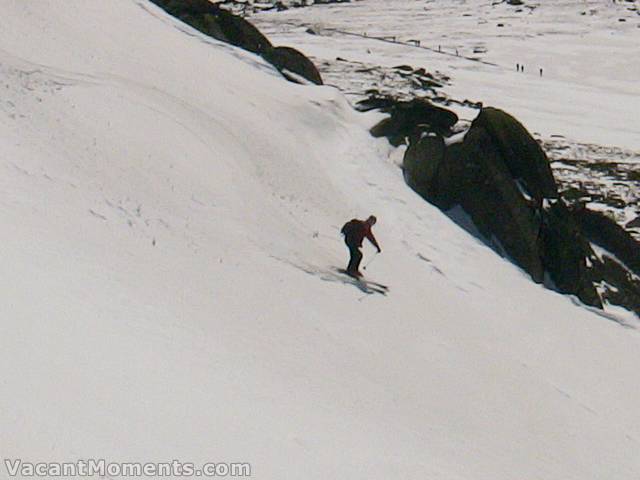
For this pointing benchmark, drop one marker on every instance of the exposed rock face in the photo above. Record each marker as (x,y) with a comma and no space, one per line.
(567,254)
(635,223)
(287,59)
(481,182)
(241,33)
(606,233)
(501,178)
(617,271)
(423,176)
(618,287)
(220,24)
(223,25)
(524,157)
(406,115)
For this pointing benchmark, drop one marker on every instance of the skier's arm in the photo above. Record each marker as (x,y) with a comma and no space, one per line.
(373,240)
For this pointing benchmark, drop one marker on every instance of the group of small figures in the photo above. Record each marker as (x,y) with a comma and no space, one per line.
(520,68)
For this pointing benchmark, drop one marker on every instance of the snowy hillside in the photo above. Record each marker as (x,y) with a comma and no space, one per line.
(171,209)
(583,107)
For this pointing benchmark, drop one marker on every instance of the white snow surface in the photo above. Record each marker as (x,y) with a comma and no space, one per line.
(589,88)
(171,209)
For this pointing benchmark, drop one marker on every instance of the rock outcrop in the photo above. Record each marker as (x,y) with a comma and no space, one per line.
(605,232)
(482,176)
(405,116)
(567,255)
(218,23)
(619,286)
(523,156)
(500,176)
(223,25)
(481,182)
(289,60)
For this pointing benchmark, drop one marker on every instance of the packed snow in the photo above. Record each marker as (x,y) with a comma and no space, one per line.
(566,69)
(172,207)
(480,44)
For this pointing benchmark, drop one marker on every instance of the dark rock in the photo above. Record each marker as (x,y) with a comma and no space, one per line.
(290,59)
(207,24)
(482,184)
(523,155)
(618,270)
(635,223)
(375,101)
(223,25)
(405,115)
(241,33)
(421,165)
(180,7)
(487,175)
(217,23)
(619,287)
(565,253)
(606,233)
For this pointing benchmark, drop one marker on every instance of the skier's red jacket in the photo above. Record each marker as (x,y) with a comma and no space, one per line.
(355,231)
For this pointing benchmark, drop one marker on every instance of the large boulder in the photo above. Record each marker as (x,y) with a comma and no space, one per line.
(617,272)
(524,157)
(287,59)
(482,184)
(406,115)
(501,178)
(241,33)
(618,286)
(207,24)
(567,254)
(423,176)
(223,25)
(218,23)
(193,7)
(606,233)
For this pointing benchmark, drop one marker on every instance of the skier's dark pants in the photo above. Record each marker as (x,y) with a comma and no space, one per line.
(356,258)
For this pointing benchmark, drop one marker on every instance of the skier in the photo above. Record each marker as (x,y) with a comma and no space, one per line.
(355,231)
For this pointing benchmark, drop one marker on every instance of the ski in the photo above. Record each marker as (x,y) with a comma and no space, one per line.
(376,286)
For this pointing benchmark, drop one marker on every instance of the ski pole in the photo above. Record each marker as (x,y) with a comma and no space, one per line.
(370,261)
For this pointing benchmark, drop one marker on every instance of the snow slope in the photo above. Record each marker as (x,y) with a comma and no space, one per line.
(588,92)
(171,210)
(583,108)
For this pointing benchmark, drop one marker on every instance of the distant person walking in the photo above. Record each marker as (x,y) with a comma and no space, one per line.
(355,231)
(540,72)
